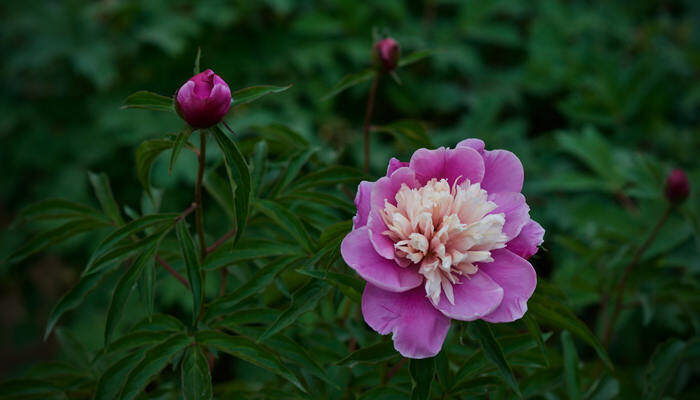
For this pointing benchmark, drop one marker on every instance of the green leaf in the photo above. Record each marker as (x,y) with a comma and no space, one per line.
(198,57)
(248,250)
(349,81)
(28,389)
(194,271)
(51,209)
(54,236)
(442,366)
(123,290)
(374,354)
(112,380)
(414,57)
(74,297)
(286,220)
(303,300)
(534,330)
(125,250)
(330,176)
(135,339)
(146,286)
(571,375)
(412,132)
(260,280)
(258,166)
(153,361)
(179,143)
(335,232)
(422,372)
(250,94)
(591,148)
(160,322)
(322,198)
(662,368)
(287,138)
(493,351)
(146,155)
(105,250)
(239,178)
(294,165)
(149,101)
(241,317)
(348,285)
(103,191)
(249,351)
(222,193)
(195,377)
(554,313)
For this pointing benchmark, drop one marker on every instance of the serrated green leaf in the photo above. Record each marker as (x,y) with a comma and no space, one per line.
(249,351)
(374,354)
(248,250)
(106,249)
(195,378)
(123,290)
(250,94)
(260,280)
(146,155)
(150,101)
(549,311)
(329,176)
(239,178)
(151,363)
(194,270)
(422,372)
(54,236)
(73,298)
(571,375)
(179,143)
(493,351)
(103,192)
(286,220)
(348,285)
(303,300)
(414,57)
(349,81)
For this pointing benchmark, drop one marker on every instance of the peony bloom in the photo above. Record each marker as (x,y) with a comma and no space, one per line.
(386,54)
(677,186)
(446,235)
(203,100)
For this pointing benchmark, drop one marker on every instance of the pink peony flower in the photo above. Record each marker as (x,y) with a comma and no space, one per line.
(446,235)
(203,100)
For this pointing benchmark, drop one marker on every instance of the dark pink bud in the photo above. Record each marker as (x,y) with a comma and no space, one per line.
(203,100)
(386,54)
(677,186)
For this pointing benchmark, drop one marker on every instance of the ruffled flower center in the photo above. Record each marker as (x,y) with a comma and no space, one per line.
(445,230)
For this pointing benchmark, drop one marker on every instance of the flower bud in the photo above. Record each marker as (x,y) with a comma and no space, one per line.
(386,54)
(203,100)
(677,186)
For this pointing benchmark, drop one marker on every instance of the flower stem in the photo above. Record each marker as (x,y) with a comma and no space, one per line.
(620,287)
(199,212)
(172,271)
(368,117)
(221,240)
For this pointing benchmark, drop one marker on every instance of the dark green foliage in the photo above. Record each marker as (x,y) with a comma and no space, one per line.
(598,99)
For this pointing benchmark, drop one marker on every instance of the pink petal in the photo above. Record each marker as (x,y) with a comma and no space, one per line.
(503,172)
(364,191)
(476,144)
(475,296)
(358,253)
(527,242)
(518,280)
(394,164)
(386,187)
(451,164)
(418,328)
(516,210)
(380,242)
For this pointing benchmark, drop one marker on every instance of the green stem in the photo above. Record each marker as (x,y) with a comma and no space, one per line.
(620,287)
(199,212)
(368,118)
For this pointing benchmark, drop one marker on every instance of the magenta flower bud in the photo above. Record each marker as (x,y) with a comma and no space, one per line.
(677,186)
(386,54)
(203,100)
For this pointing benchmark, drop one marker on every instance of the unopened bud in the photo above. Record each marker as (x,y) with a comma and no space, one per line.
(677,186)
(203,100)
(386,54)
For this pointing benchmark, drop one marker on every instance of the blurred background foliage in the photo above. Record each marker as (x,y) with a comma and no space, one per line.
(599,100)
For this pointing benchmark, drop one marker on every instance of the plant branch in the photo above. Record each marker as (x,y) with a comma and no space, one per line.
(199,215)
(368,118)
(221,240)
(394,370)
(620,287)
(185,213)
(172,271)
